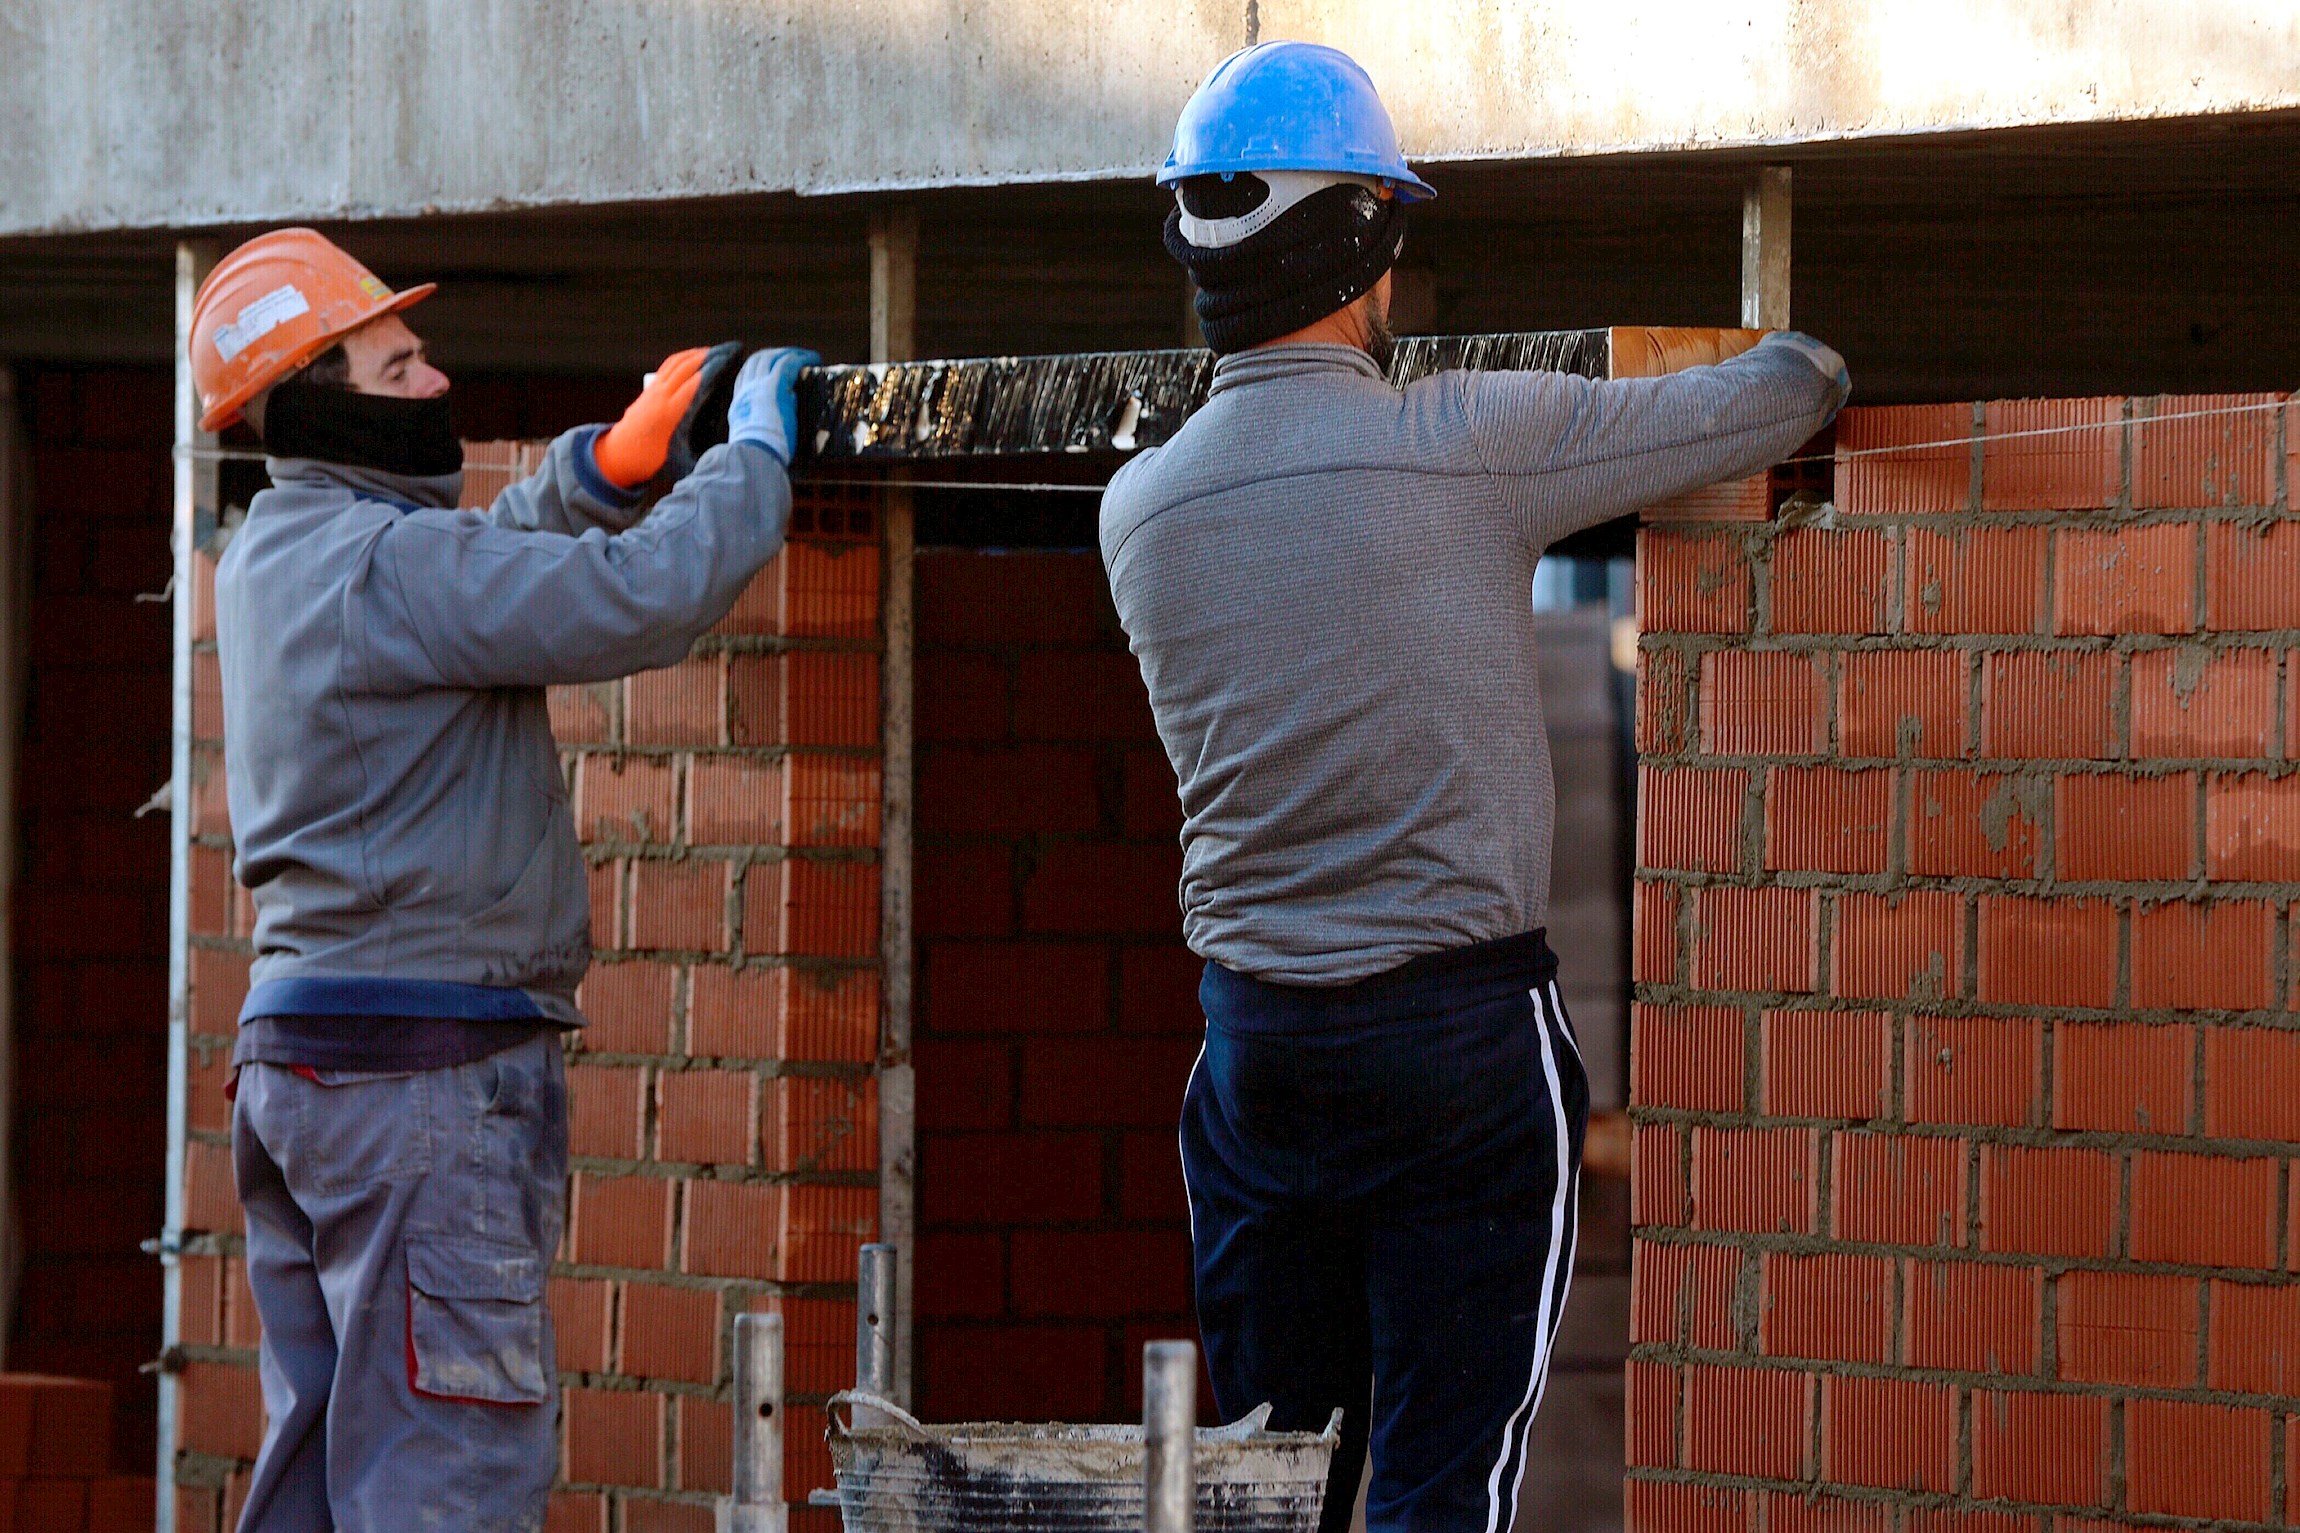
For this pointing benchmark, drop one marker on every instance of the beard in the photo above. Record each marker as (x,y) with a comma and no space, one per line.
(1380,344)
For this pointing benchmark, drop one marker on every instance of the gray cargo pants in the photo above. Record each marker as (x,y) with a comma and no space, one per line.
(400,1226)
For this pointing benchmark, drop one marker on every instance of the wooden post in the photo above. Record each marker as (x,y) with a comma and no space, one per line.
(894,338)
(1765,250)
(196,482)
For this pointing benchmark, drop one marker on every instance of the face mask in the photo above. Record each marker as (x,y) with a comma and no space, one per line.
(335,425)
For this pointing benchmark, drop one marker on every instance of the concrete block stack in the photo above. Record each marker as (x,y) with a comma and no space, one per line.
(1966,1058)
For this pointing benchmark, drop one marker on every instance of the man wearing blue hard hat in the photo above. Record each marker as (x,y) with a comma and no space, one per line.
(1327,581)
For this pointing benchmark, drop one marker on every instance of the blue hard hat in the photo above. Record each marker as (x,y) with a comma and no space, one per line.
(1289,106)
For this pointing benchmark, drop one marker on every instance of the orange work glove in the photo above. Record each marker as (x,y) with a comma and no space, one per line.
(632,451)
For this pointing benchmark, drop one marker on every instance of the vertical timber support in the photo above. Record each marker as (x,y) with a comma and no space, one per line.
(1765,250)
(894,338)
(195,500)
(15,603)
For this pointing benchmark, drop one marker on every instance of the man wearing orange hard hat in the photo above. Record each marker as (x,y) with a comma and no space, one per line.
(399,1131)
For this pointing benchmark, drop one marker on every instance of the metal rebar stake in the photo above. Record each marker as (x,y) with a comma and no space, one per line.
(1169,1436)
(874,1320)
(757,1504)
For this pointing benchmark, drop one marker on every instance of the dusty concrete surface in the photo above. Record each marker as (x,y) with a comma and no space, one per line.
(207,112)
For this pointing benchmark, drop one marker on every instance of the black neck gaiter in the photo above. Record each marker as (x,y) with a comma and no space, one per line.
(1322,254)
(335,425)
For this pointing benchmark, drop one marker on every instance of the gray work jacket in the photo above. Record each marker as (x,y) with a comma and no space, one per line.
(395,791)
(1328,583)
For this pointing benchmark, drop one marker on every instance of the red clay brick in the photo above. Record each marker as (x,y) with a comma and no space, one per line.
(1972,1317)
(1658,1194)
(1150,1186)
(604,1105)
(805,697)
(1667,1506)
(219,990)
(1659,1276)
(830,801)
(1094,695)
(1654,923)
(734,801)
(1920,479)
(2109,826)
(1902,702)
(1148,802)
(2255,1342)
(614,1437)
(1833,1305)
(2128,1328)
(1976,824)
(584,715)
(2252,575)
(706,1116)
(1008,790)
(1664,701)
(1830,582)
(1899,947)
(2219,956)
(628,1006)
(679,906)
(1747,1421)
(1761,703)
(706,1448)
(1689,818)
(971,1083)
(211,892)
(626,798)
(1158,989)
(2122,1077)
(1827,1064)
(815,909)
(1826,819)
(580,1310)
(1691,584)
(2251,827)
(1105,1082)
(2049,1448)
(1650,1392)
(1899,1434)
(1761,939)
(960,697)
(1099,1274)
(813,589)
(1759,1180)
(2073,463)
(670,1333)
(821,1230)
(732,1229)
(2252,1083)
(1688,1057)
(2037,704)
(2215,460)
(1899,1189)
(818,1341)
(620,1221)
(2189,703)
(814,1014)
(2214,1211)
(1110,889)
(821,1123)
(2130,580)
(2196,1460)
(1974,581)
(2047,1201)
(221,1410)
(1012,1372)
(1038,987)
(1798,1512)
(1714,1275)
(683,704)
(2047,952)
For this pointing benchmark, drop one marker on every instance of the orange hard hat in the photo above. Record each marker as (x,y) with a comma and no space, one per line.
(271,306)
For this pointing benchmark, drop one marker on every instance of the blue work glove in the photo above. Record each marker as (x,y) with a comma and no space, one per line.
(765,408)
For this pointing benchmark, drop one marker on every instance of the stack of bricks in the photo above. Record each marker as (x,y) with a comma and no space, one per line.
(1966,1064)
(723,1100)
(56,1459)
(1057,1006)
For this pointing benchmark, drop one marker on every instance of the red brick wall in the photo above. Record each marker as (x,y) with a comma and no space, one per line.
(91,911)
(1057,1008)
(724,1101)
(1966,1067)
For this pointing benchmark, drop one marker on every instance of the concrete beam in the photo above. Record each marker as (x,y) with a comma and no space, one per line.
(217,112)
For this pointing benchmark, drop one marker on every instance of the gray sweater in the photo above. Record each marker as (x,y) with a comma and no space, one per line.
(1328,584)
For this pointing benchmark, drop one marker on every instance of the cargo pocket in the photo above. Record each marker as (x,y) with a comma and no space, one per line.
(475,1323)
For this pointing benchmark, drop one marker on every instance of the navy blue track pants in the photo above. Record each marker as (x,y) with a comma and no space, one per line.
(1382,1188)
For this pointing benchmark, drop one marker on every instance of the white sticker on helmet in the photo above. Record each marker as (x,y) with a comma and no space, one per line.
(1287,187)
(260,318)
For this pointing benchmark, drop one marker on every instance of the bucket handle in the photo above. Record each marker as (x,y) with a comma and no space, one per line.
(903,1421)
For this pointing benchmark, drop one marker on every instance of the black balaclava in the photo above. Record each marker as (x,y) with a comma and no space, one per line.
(1319,256)
(332,424)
